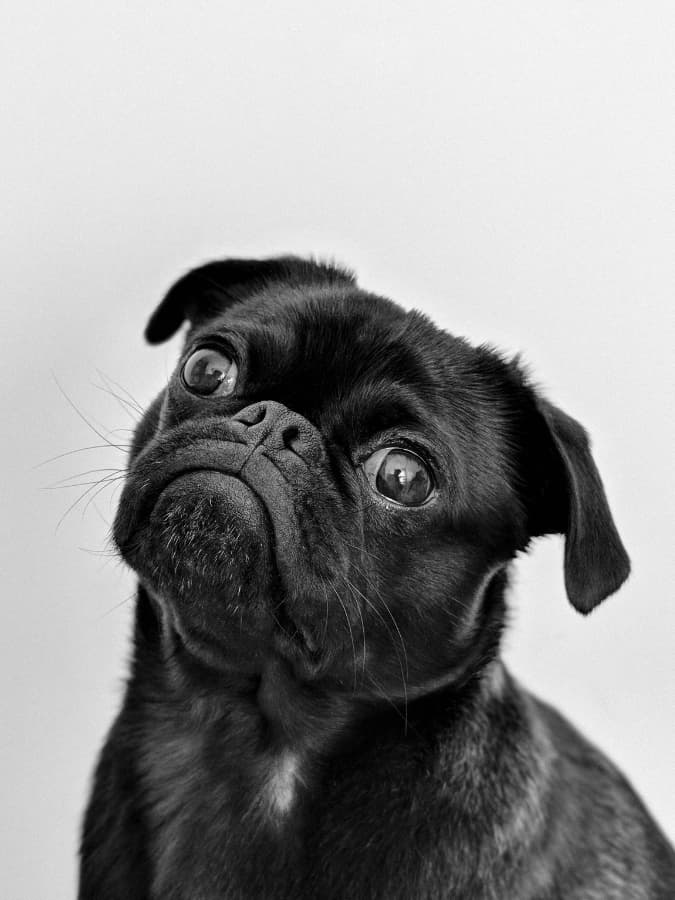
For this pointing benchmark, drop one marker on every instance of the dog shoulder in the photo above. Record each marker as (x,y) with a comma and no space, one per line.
(112,849)
(613,844)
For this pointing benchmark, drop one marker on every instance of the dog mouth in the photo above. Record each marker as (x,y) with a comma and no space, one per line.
(286,638)
(200,526)
(292,637)
(240,541)
(288,633)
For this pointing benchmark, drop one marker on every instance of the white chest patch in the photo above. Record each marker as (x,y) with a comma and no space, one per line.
(282,784)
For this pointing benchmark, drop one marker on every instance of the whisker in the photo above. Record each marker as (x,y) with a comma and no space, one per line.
(117,606)
(122,447)
(63,487)
(107,552)
(324,637)
(68,480)
(390,614)
(351,588)
(129,408)
(392,703)
(114,481)
(106,523)
(132,400)
(372,586)
(364,552)
(82,415)
(404,674)
(349,625)
(81,497)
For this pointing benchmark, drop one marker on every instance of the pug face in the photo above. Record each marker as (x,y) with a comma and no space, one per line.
(332,480)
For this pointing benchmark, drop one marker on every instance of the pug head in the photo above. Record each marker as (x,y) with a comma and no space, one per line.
(332,480)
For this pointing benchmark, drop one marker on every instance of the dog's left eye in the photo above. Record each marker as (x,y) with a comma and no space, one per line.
(399,475)
(209,371)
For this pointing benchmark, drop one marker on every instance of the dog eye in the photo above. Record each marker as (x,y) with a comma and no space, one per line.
(209,371)
(399,475)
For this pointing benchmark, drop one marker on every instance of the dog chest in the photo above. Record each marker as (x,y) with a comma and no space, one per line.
(379,821)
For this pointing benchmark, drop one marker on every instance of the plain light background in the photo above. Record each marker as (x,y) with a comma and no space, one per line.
(507,167)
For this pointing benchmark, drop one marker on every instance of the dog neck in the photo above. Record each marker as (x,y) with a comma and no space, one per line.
(300,714)
(250,763)
(278,731)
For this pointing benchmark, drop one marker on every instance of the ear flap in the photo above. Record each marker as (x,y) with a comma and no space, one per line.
(212,288)
(573,503)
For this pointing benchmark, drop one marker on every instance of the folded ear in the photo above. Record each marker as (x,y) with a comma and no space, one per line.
(210,289)
(572,501)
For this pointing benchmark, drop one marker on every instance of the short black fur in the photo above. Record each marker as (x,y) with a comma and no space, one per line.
(316,706)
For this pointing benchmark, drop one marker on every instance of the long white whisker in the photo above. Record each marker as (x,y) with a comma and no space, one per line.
(404,674)
(351,588)
(349,625)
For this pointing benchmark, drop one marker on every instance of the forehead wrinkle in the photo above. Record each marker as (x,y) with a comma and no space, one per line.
(367,409)
(307,347)
(313,353)
(331,327)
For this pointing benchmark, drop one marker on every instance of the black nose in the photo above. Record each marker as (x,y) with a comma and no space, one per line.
(256,414)
(262,419)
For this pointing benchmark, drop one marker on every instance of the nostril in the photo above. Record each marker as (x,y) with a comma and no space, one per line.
(291,438)
(251,415)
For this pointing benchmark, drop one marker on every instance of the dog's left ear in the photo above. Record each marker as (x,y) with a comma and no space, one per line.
(571,500)
(210,289)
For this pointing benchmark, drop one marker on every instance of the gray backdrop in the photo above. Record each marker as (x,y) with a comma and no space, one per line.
(506,167)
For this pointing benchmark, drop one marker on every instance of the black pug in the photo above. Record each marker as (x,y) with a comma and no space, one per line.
(322,507)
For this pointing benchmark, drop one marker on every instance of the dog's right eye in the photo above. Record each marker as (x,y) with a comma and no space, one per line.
(208,372)
(399,475)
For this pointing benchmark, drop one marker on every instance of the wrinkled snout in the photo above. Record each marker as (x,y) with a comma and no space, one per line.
(238,520)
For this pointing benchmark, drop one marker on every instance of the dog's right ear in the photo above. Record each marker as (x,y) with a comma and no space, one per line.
(210,289)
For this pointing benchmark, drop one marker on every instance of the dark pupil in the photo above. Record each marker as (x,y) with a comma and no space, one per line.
(402,477)
(205,371)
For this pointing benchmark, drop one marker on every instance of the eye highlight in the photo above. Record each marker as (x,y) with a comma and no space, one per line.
(209,372)
(399,475)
